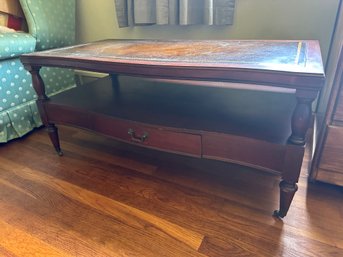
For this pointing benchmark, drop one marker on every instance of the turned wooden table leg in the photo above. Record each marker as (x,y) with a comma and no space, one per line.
(115,84)
(39,87)
(301,120)
(290,177)
(53,134)
(287,192)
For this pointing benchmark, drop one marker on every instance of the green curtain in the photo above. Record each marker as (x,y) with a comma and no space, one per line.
(174,12)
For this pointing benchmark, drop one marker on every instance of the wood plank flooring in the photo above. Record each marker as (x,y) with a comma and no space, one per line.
(104,198)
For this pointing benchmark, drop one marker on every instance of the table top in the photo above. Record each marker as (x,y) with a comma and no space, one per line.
(290,63)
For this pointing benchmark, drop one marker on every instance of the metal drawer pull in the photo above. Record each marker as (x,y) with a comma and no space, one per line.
(136,138)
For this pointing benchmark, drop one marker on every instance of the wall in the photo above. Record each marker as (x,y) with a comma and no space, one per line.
(254,19)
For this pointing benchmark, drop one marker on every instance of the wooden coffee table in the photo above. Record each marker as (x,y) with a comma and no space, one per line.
(174,96)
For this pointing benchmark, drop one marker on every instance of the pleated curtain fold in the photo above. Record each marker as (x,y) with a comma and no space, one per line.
(174,12)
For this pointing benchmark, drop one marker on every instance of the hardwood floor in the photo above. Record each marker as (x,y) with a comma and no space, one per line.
(103,198)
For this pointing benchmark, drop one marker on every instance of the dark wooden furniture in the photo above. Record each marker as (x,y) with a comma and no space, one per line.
(209,119)
(328,159)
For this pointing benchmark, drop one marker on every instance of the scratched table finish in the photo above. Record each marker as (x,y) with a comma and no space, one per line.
(173,96)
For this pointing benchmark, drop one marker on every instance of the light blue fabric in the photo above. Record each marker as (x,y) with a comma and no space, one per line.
(18,110)
(15,44)
(51,24)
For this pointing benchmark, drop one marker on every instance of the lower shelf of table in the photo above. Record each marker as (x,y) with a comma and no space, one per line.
(245,127)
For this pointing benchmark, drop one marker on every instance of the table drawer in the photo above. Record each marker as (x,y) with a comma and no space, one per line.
(247,151)
(338,116)
(171,140)
(68,116)
(338,112)
(332,155)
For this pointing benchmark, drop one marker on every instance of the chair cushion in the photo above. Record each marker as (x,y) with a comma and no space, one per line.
(15,43)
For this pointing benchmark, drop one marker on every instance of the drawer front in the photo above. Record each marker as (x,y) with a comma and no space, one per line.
(68,116)
(331,177)
(338,83)
(246,151)
(338,116)
(149,136)
(332,155)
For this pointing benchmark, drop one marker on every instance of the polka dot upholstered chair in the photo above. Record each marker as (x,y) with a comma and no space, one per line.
(51,24)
